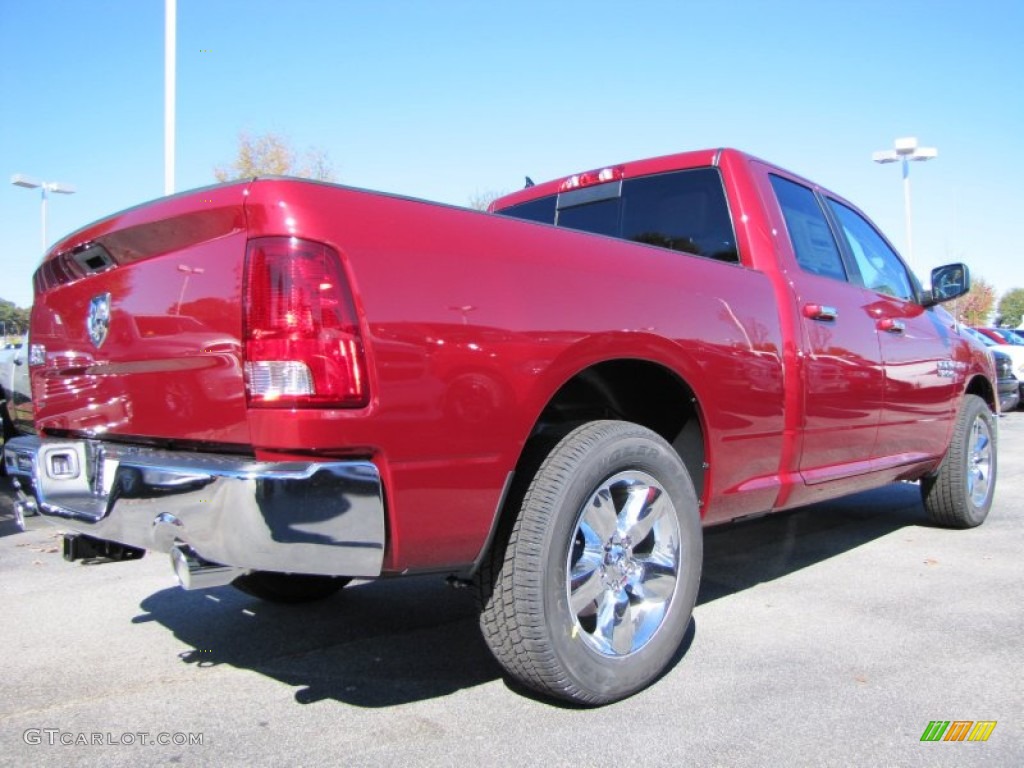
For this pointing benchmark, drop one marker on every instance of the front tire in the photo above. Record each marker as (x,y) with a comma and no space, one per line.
(960,494)
(593,594)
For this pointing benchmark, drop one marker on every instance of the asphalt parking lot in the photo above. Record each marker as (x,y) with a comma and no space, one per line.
(828,636)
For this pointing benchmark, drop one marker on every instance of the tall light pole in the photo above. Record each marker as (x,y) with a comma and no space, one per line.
(170,49)
(20,180)
(905,150)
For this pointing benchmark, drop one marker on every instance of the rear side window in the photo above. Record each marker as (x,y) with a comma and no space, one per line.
(809,232)
(681,211)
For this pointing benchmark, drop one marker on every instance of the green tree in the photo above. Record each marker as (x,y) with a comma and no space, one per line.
(13,319)
(976,306)
(270,154)
(1011,308)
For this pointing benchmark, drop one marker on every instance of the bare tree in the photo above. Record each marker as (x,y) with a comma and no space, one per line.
(480,200)
(318,165)
(270,154)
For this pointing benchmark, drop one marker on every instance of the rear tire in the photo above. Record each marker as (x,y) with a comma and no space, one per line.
(289,587)
(960,494)
(592,596)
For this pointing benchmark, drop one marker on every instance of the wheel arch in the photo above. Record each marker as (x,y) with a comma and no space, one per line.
(981,386)
(636,390)
(642,391)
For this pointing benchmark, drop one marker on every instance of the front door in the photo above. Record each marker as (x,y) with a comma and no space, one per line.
(916,348)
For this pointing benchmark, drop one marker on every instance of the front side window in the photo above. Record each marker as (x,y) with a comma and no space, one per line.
(813,244)
(879,266)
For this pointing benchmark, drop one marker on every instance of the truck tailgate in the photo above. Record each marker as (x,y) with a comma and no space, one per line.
(137,323)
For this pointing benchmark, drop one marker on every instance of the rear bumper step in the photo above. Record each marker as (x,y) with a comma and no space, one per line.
(218,515)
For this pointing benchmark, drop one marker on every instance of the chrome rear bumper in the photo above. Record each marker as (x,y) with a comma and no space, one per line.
(295,517)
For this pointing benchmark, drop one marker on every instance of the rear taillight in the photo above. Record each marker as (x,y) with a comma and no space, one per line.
(302,341)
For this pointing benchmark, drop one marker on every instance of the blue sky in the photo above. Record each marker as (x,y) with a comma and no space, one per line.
(443,100)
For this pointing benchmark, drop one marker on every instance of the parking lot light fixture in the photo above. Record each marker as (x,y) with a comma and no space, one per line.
(904,151)
(21,180)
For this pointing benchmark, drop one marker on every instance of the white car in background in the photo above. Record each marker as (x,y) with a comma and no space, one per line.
(1015,351)
(15,392)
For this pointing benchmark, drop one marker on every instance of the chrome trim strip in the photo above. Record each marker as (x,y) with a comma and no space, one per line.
(296,517)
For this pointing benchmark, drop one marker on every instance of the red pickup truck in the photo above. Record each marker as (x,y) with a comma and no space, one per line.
(288,384)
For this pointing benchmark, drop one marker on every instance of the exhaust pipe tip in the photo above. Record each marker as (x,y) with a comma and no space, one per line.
(193,572)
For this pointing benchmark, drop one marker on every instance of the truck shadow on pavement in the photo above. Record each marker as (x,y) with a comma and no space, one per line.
(390,642)
(372,645)
(741,555)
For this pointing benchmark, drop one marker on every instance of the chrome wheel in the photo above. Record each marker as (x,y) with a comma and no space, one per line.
(623,566)
(979,462)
